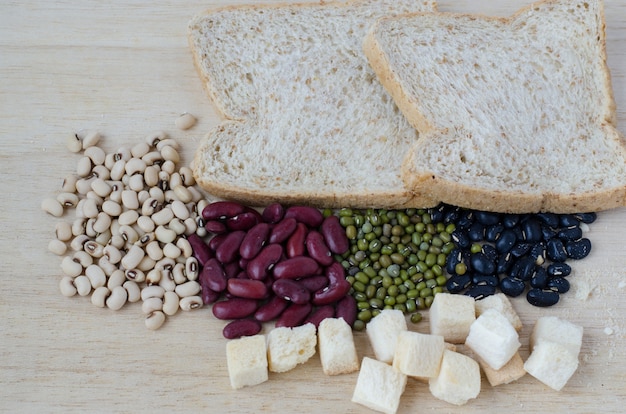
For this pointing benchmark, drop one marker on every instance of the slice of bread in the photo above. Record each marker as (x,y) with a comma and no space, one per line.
(336,347)
(458,380)
(383,331)
(561,331)
(493,338)
(306,119)
(451,316)
(288,347)
(515,115)
(418,355)
(551,363)
(379,386)
(501,303)
(247,361)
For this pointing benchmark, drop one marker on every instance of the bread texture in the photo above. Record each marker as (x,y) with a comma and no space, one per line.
(247,361)
(379,386)
(306,120)
(515,115)
(458,380)
(383,331)
(289,347)
(336,347)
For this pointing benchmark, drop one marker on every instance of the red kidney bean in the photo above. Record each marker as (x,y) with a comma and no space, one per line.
(282,230)
(201,251)
(259,267)
(220,210)
(215,227)
(216,240)
(296,267)
(317,249)
(273,213)
(314,283)
(232,269)
(212,276)
(310,216)
(295,243)
(254,240)
(208,296)
(243,221)
(337,288)
(241,327)
(271,310)
(234,308)
(246,288)
(319,314)
(291,290)
(243,263)
(228,250)
(346,308)
(335,235)
(294,315)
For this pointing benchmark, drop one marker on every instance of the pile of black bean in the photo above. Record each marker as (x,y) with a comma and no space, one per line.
(515,253)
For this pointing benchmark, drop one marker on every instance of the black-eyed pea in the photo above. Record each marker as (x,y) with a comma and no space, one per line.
(167,281)
(83,258)
(90,139)
(117,298)
(140,149)
(63,231)
(179,209)
(133,257)
(79,241)
(163,216)
(96,276)
(164,178)
(135,182)
(191,225)
(52,207)
(94,249)
(178,273)
(83,185)
(152,291)
(155,320)
(78,226)
(186,175)
(83,285)
(103,238)
(192,268)
(71,267)
(165,264)
(151,175)
(102,172)
(128,233)
(83,167)
(99,296)
(136,275)
(151,304)
(154,251)
(155,137)
(135,166)
(153,277)
(185,247)
(101,187)
(57,247)
(117,240)
(170,303)
(133,291)
(112,208)
(178,226)
(130,200)
(102,222)
(151,158)
(145,239)
(107,266)
(116,191)
(128,218)
(170,196)
(146,224)
(66,286)
(74,143)
(95,154)
(175,180)
(118,170)
(185,121)
(190,288)
(183,193)
(89,230)
(164,234)
(116,278)
(109,160)
(150,206)
(190,302)
(158,194)
(68,185)
(95,197)
(68,200)
(168,167)
(90,208)
(167,142)
(146,264)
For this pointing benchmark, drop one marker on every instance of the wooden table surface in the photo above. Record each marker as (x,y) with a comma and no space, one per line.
(124,68)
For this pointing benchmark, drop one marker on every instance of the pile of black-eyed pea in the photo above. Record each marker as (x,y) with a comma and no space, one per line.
(125,217)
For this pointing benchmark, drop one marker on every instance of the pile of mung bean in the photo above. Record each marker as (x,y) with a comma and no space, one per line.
(127,242)
(396,260)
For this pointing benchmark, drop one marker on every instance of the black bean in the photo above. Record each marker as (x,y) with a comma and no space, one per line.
(559,284)
(458,283)
(490,280)
(480,291)
(555,250)
(511,286)
(437,214)
(490,252)
(538,252)
(531,230)
(454,258)
(506,241)
(542,297)
(510,220)
(450,215)
(460,238)
(540,278)
(466,218)
(492,232)
(504,263)
(559,269)
(587,218)
(551,219)
(568,220)
(480,263)
(570,233)
(476,232)
(547,232)
(523,268)
(487,218)
(578,249)
(521,249)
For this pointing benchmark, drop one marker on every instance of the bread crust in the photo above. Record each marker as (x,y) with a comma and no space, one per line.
(425,181)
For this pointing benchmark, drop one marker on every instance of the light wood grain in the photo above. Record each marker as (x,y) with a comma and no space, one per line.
(124,68)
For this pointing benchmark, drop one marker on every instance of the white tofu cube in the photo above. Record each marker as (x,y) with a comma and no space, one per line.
(458,380)
(418,355)
(451,316)
(379,386)
(553,329)
(501,303)
(336,347)
(247,361)
(551,363)
(288,347)
(493,338)
(383,331)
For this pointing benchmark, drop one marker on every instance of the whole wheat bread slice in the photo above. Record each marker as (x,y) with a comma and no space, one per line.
(515,115)
(306,119)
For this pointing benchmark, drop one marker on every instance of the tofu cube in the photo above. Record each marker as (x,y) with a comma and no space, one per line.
(511,371)
(247,361)
(500,302)
(451,316)
(288,347)
(554,329)
(336,347)
(379,386)
(418,355)
(383,331)
(458,380)
(493,339)
(551,363)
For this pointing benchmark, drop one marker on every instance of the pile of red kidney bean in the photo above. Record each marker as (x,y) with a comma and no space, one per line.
(275,265)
